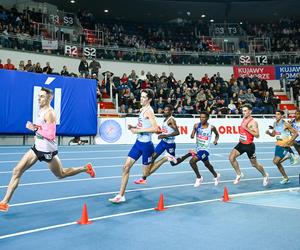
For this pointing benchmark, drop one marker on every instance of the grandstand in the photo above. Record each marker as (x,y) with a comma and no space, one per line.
(191,42)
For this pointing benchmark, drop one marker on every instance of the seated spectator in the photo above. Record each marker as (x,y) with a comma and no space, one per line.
(1,65)
(232,108)
(249,97)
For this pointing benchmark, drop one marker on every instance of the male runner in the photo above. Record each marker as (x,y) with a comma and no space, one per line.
(169,131)
(143,145)
(44,149)
(203,131)
(285,137)
(248,130)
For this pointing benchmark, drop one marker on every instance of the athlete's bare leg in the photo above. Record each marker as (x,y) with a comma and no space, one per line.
(25,163)
(157,164)
(258,166)
(193,163)
(232,158)
(60,172)
(125,175)
(277,162)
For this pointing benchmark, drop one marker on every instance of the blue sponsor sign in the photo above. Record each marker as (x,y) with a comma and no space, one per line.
(74,102)
(291,71)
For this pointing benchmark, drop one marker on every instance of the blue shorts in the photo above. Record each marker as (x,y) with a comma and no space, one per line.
(162,146)
(144,149)
(298,142)
(281,151)
(202,155)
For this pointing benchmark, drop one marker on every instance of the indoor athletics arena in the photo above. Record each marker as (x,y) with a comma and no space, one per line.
(149,124)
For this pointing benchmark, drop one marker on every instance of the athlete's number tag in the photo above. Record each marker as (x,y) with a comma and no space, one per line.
(202,140)
(48,156)
(243,137)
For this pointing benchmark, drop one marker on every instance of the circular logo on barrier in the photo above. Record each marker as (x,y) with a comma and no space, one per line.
(110,131)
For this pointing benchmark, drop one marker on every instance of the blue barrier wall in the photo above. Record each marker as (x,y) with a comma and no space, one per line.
(74,102)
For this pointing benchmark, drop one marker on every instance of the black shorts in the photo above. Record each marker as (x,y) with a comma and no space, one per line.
(246,148)
(44,156)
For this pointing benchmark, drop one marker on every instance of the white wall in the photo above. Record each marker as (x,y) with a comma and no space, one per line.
(120,67)
(114,130)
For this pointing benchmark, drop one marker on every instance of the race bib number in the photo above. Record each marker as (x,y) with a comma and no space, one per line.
(243,137)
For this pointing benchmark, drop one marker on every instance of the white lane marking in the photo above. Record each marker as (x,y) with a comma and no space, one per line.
(130,213)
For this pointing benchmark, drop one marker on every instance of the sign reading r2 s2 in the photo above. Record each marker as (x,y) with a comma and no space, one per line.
(71,50)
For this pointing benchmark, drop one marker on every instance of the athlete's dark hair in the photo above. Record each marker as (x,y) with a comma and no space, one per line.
(149,92)
(205,113)
(280,111)
(169,106)
(48,91)
(248,106)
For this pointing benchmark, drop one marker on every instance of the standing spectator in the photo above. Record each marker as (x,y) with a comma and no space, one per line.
(83,67)
(95,67)
(9,65)
(171,81)
(21,66)
(29,66)
(47,69)
(189,80)
(64,71)
(205,79)
(38,68)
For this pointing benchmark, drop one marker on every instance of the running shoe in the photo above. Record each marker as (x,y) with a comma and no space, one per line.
(117,199)
(284,181)
(4,207)
(171,158)
(90,170)
(294,159)
(140,181)
(217,179)
(266,180)
(238,178)
(198,182)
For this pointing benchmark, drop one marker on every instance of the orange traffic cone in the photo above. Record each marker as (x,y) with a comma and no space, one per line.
(84,217)
(225,196)
(160,205)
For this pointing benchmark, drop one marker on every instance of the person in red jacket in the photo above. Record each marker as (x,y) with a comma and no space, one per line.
(9,65)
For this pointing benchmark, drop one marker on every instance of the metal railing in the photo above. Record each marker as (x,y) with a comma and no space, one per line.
(22,42)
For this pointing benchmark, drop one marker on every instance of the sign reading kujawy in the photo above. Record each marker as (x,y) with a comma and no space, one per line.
(261,72)
(291,71)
